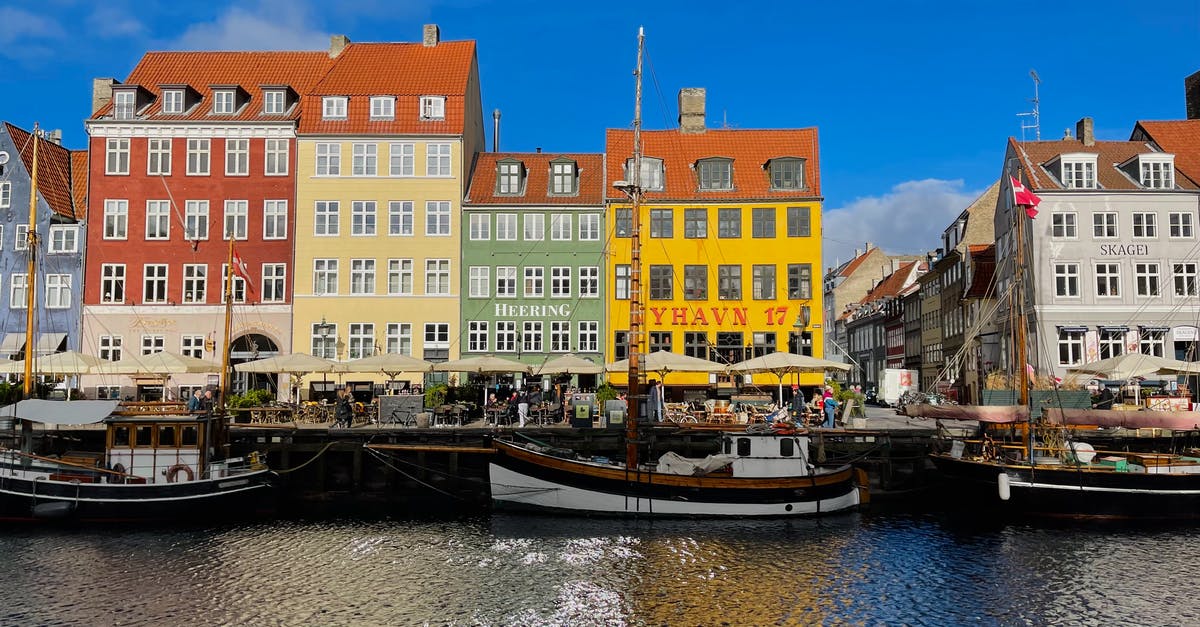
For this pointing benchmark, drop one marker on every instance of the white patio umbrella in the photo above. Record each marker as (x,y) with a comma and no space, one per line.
(781,364)
(292,364)
(570,363)
(390,364)
(484,364)
(65,363)
(665,361)
(162,364)
(1132,365)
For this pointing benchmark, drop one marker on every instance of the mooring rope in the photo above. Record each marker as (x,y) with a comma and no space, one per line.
(384,460)
(314,458)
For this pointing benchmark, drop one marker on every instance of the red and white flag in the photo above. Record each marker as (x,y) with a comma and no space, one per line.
(1022,196)
(240,269)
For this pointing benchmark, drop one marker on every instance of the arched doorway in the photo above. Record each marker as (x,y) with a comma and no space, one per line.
(250,347)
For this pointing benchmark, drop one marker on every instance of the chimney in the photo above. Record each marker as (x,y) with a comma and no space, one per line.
(539,150)
(1085,132)
(857,253)
(337,43)
(432,35)
(55,136)
(101,92)
(496,130)
(691,110)
(1191,91)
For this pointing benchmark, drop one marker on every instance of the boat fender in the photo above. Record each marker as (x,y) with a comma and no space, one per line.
(173,473)
(1003,487)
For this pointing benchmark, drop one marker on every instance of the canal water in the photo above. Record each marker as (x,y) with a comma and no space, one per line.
(516,570)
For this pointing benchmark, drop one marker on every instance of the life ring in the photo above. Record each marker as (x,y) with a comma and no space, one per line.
(173,472)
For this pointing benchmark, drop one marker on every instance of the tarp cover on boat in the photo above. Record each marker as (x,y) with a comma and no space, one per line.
(982,413)
(675,464)
(1124,418)
(60,412)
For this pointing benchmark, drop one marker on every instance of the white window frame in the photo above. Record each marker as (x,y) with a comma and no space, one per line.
(276,157)
(1145,225)
(21,237)
(1079,172)
(124,103)
(112,283)
(158,215)
(172,101)
(534,282)
(560,281)
(239,285)
(275,219)
(589,281)
(479,282)
(323,346)
(588,336)
(1147,279)
(274,282)
(383,107)
(589,227)
(506,336)
(363,217)
(506,281)
(192,346)
(362,277)
(325,276)
(1066,275)
(1157,171)
(1073,342)
(437,218)
(364,159)
(480,227)
(160,283)
(532,339)
(1105,225)
(195,220)
(402,159)
(158,156)
(199,156)
(116,157)
(1064,225)
(437,277)
(1181,225)
(17,290)
(506,227)
(437,160)
(401,218)
(195,283)
(333,107)
(58,291)
(5,194)
(64,239)
(561,227)
(236,220)
(237,157)
(328,159)
(153,343)
(1184,279)
(400,277)
(533,227)
(433,107)
(224,102)
(399,338)
(1108,274)
(360,340)
(477,336)
(274,102)
(560,336)
(111,347)
(326,218)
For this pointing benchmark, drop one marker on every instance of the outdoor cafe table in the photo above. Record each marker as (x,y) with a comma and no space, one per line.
(270,415)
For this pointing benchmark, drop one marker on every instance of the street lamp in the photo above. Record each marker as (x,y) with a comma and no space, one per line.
(324,329)
(801,326)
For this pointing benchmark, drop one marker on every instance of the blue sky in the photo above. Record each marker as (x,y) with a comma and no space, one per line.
(913,101)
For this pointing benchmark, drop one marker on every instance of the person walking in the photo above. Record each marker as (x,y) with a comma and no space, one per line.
(343,411)
(656,401)
(831,406)
(522,407)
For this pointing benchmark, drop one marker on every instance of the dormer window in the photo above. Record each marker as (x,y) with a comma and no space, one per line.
(715,174)
(1077,170)
(172,103)
(562,178)
(651,173)
(1157,171)
(433,107)
(274,102)
(124,104)
(786,173)
(508,177)
(224,102)
(383,107)
(333,107)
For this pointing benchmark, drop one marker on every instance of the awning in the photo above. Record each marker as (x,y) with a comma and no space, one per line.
(12,344)
(1113,328)
(1152,329)
(60,412)
(1074,329)
(49,342)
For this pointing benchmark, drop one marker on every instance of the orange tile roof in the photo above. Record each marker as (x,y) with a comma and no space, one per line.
(405,70)
(202,70)
(1034,156)
(1179,137)
(54,171)
(79,178)
(850,267)
(891,284)
(482,190)
(749,149)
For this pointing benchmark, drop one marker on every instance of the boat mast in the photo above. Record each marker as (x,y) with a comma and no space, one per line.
(30,284)
(633,397)
(223,385)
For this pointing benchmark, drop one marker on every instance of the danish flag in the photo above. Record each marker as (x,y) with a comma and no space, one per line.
(1022,196)
(240,269)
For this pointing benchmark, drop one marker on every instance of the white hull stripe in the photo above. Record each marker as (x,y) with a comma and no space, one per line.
(47,497)
(1077,488)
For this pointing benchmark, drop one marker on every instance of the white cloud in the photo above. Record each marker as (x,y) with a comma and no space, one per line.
(267,25)
(110,22)
(907,220)
(26,35)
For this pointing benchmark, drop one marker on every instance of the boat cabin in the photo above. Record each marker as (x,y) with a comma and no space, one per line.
(159,449)
(766,455)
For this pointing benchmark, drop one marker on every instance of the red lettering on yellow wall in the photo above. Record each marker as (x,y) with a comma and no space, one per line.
(719,315)
(739,316)
(658,312)
(698,317)
(679,315)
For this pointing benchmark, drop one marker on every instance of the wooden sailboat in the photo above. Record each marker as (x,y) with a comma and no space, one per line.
(154,466)
(763,473)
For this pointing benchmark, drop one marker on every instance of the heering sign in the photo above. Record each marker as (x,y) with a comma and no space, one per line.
(533,311)
(1124,250)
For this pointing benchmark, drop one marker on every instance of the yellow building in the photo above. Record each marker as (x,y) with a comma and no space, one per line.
(383,156)
(730,241)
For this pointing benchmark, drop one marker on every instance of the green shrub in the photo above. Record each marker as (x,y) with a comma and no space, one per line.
(435,394)
(605,392)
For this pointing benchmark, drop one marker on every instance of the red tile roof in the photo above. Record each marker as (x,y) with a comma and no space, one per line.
(202,70)
(850,267)
(892,284)
(79,178)
(1179,137)
(1035,155)
(54,171)
(405,70)
(482,190)
(749,149)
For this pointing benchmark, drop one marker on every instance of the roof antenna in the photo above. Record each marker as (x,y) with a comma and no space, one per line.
(1036,123)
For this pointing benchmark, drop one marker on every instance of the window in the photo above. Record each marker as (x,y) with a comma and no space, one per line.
(236,216)
(112,283)
(275,219)
(589,227)
(1145,225)
(763,279)
(64,239)
(1183,275)
(1152,342)
(1108,279)
(274,101)
(110,347)
(589,281)
(400,277)
(437,217)
(762,222)
(324,340)
(325,218)
(1180,225)
(799,281)
(158,157)
(1112,343)
(477,336)
(237,157)
(124,104)
(274,282)
(433,107)
(659,341)
(329,159)
(535,227)
(620,345)
(192,346)
(662,223)
(437,160)
(362,277)
(1146,275)
(399,338)
(58,291)
(154,283)
(506,282)
(1104,225)
(624,222)
(479,281)
(695,344)
(5,193)
(560,282)
(729,223)
(560,227)
(153,344)
(197,157)
(195,283)
(158,219)
(1062,224)
(506,227)
(535,282)
(172,101)
(1079,174)
(560,336)
(799,222)
(621,282)
(651,173)
(1066,280)
(325,276)
(383,107)
(238,290)
(223,101)
(402,159)
(364,160)
(716,174)
(588,336)
(117,219)
(116,156)
(506,336)
(531,336)
(1157,174)
(362,340)
(480,228)
(562,178)
(17,292)
(195,220)
(21,237)
(787,174)
(333,107)
(437,340)
(401,216)
(729,282)
(508,177)
(362,218)
(276,157)
(695,282)
(695,223)
(661,283)
(437,277)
